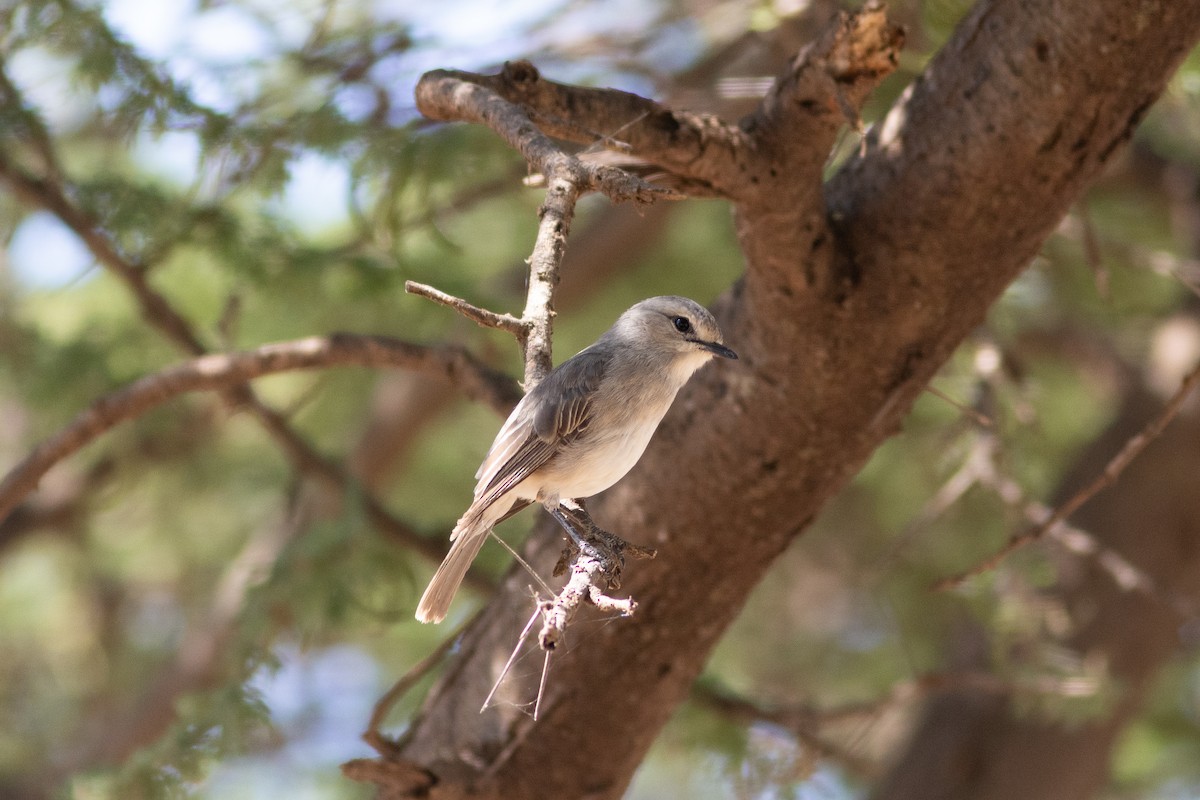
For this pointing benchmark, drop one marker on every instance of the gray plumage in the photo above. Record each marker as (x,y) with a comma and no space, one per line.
(583,427)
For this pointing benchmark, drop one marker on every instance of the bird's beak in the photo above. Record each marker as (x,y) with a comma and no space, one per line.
(718,349)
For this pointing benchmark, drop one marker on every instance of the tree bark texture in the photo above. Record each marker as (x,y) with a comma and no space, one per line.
(854,294)
(974,746)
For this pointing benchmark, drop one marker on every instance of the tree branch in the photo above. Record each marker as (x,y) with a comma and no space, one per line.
(698,147)
(467,97)
(480,316)
(219,372)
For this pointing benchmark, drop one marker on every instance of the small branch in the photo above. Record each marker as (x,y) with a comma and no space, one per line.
(480,316)
(595,566)
(518,102)
(1106,478)
(976,415)
(447,95)
(219,372)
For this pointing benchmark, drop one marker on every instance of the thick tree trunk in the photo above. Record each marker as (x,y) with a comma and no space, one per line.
(847,307)
(971,746)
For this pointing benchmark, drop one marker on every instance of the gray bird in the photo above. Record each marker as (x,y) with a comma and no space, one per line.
(583,427)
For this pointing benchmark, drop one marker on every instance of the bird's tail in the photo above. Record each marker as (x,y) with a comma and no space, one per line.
(469,535)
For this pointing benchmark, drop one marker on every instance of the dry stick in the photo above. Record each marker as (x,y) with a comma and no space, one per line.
(1106,478)
(541,692)
(219,372)
(511,658)
(480,316)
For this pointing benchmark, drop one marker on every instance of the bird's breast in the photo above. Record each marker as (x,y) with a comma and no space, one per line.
(610,448)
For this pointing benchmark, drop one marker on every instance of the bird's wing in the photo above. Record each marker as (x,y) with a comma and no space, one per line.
(553,414)
(564,411)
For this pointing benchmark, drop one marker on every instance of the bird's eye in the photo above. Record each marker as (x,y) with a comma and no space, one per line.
(682,324)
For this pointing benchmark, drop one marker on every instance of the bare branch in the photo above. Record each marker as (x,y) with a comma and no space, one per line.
(463,96)
(480,316)
(699,147)
(1106,478)
(219,372)
(596,560)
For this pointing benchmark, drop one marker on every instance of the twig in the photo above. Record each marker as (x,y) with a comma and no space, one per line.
(518,101)
(218,372)
(1106,478)
(978,416)
(595,567)
(521,560)
(480,316)
(512,657)
(537,704)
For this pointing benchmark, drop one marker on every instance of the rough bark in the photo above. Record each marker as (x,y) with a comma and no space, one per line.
(971,746)
(849,304)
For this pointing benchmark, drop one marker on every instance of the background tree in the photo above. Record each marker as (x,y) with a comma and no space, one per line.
(242,174)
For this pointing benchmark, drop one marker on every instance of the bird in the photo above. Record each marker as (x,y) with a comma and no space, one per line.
(583,427)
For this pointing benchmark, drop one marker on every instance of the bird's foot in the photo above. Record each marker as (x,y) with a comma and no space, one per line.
(588,539)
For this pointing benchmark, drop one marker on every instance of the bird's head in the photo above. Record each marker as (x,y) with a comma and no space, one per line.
(675,328)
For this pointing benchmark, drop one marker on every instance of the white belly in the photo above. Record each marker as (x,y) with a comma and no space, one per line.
(611,447)
(593,466)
